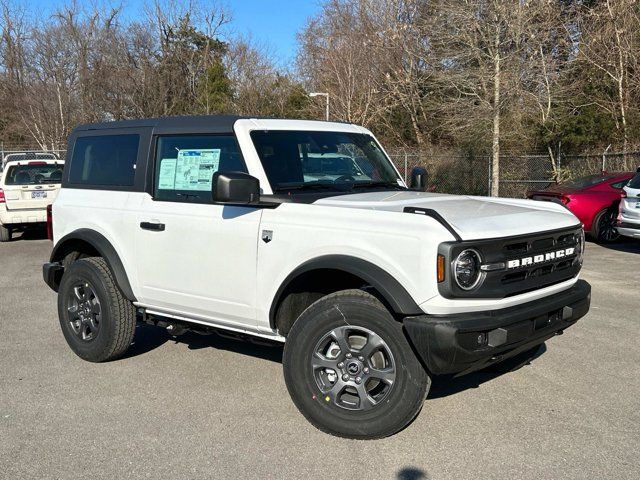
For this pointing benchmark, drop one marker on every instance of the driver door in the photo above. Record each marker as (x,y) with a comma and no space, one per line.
(195,258)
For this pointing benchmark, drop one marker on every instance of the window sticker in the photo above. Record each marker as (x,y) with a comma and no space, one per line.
(194,168)
(167,178)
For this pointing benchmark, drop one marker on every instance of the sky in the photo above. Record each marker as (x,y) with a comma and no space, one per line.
(270,23)
(274,23)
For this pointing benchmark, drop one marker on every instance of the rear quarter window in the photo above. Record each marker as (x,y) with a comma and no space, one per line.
(104,160)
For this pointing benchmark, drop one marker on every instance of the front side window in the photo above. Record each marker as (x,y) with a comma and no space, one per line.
(635,181)
(299,160)
(34,173)
(185,165)
(104,160)
(619,185)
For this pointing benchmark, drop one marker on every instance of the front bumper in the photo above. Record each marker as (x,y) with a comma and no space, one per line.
(466,342)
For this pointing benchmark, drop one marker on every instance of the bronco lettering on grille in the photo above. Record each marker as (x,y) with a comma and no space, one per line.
(541,258)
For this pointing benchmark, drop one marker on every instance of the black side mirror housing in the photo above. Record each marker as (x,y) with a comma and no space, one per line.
(235,187)
(418,179)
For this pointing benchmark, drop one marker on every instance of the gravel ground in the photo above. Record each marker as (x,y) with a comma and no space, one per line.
(208,407)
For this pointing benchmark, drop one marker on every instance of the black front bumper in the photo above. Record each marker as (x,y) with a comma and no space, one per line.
(466,342)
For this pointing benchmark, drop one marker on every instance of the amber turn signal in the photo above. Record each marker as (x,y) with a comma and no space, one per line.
(440,268)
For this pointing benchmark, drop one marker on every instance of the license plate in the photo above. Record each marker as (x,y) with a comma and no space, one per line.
(38,194)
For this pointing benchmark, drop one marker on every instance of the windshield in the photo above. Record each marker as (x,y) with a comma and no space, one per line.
(339,161)
(33,174)
(635,181)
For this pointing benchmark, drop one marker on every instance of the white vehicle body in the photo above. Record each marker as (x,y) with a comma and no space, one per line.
(169,272)
(304,232)
(27,187)
(629,216)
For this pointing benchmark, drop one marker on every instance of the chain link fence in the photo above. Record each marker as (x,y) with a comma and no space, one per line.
(14,152)
(471,174)
(462,174)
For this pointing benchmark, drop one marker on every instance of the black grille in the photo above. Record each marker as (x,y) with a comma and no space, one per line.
(505,279)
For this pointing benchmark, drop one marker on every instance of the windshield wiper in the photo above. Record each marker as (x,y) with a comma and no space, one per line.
(283,187)
(339,186)
(378,184)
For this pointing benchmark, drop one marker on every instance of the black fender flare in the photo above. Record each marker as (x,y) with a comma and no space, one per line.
(100,243)
(393,293)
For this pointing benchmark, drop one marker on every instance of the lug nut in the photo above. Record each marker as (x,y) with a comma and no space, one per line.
(341,364)
(358,380)
(365,369)
(361,358)
(345,377)
(348,355)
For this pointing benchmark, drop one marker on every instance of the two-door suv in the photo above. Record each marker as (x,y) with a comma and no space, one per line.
(304,232)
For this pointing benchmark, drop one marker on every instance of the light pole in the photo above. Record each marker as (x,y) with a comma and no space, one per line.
(322,94)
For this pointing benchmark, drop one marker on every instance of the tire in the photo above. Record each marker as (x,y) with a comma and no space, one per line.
(603,229)
(380,408)
(97,321)
(5,234)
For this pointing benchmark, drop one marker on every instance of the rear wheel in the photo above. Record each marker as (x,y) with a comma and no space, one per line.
(604,226)
(5,234)
(350,370)
(97,321)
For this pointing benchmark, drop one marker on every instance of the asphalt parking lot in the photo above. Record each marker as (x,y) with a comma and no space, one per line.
(208,407)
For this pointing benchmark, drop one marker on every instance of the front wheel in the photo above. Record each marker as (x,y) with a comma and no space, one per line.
(350,370)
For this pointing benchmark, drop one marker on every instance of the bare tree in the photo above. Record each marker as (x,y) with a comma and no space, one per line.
(611,45)
(337,56)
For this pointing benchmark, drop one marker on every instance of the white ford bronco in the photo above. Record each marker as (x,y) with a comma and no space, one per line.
(304,232)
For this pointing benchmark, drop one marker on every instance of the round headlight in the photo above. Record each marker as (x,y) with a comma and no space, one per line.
(466,269)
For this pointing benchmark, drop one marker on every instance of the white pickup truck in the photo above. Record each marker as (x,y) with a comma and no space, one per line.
(27,188)
(239,224)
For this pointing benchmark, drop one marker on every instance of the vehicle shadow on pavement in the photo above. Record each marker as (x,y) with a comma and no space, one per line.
(411,473)
(149,337)
(626,246)
(30,234)
(446,385)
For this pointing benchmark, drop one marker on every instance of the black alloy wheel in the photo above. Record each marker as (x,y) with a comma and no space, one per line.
(84,313)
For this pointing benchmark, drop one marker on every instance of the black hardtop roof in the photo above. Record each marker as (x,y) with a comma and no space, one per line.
(197,123)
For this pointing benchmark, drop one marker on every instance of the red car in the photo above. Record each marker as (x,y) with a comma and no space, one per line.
(593,199)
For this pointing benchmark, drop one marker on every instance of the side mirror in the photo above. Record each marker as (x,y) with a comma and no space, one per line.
(418,179)
(235,187)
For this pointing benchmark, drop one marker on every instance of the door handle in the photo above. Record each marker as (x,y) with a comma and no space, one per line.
(154,227)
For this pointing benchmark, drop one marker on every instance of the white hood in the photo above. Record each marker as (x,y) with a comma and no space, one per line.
(471,217)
